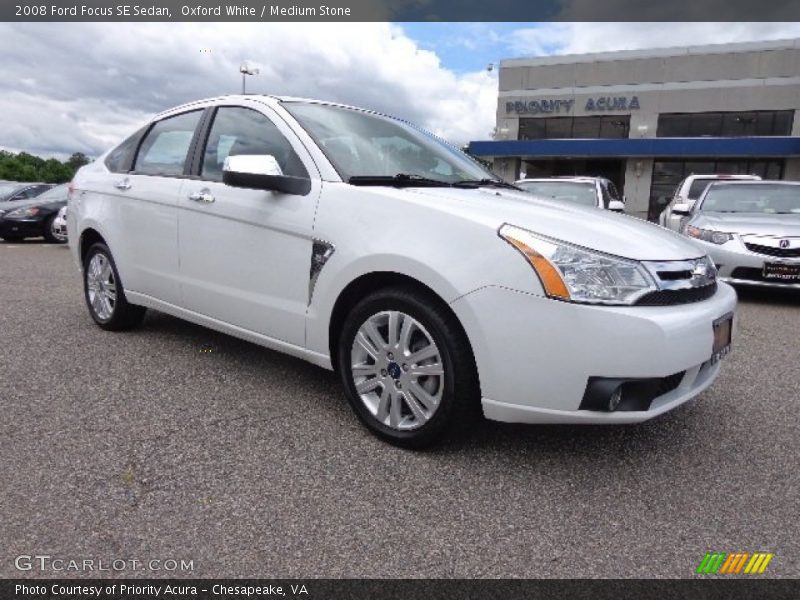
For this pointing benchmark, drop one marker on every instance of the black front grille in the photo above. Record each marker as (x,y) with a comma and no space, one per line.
(770,251)
(672,297)
(755,274)
(667,384)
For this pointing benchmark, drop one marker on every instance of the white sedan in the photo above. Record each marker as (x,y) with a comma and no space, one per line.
(362,244)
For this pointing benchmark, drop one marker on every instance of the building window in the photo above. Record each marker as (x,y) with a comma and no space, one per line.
(606,126)
(726,124)
(667,174)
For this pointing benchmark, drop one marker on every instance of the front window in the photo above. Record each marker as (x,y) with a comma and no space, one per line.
(753,198)
(239,130)
(584,194)
(363,144)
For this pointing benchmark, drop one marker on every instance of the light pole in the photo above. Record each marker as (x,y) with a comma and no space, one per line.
(246,69)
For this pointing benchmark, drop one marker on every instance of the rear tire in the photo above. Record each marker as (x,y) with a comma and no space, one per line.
(104,294)
(407,368)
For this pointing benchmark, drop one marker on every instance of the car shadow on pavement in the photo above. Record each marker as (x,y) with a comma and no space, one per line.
(672,430)
(789,297)
(40,241)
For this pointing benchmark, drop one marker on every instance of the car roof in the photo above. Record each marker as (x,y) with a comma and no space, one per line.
(756,182)
(722,176)
(267,99)
(577,179)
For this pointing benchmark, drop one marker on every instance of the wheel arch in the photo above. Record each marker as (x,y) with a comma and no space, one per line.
(88,237)
(374,281)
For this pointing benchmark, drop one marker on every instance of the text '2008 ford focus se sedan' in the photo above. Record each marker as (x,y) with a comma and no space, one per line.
(362,244)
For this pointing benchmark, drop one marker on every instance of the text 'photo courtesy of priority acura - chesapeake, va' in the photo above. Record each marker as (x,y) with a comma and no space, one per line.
(359,242)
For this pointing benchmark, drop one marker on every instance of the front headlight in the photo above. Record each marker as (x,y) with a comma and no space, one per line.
(578,274)
(708,235)
(23,213)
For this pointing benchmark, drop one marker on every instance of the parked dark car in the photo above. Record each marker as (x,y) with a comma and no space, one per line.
(34,217)
(13,190)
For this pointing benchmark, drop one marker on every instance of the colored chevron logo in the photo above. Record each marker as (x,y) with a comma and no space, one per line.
(734,563)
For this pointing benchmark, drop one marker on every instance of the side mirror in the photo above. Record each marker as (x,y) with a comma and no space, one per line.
(616,206)
(262,172)
(681,209)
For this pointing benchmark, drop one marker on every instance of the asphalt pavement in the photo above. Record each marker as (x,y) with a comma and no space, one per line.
(174,442)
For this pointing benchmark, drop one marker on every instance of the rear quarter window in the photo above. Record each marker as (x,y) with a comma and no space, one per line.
(120,159)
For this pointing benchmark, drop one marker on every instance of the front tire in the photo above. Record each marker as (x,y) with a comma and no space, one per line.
(104,294)
(51,233)
(407,368)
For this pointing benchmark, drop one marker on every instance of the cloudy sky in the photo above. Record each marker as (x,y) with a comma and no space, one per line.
(81,87)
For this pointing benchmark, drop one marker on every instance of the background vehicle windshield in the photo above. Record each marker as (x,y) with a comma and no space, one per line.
(567,191)
(359,143)
(753,198)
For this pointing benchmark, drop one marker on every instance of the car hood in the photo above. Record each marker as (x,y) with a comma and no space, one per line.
(750,223)
(602,230)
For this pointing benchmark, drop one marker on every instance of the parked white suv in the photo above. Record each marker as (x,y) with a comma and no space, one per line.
(360,243)
(687,192)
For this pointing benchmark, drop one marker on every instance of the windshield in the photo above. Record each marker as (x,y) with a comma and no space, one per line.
(363,144)
(753,198)
(584,194)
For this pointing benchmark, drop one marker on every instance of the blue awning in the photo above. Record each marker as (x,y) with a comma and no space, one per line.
(645,147)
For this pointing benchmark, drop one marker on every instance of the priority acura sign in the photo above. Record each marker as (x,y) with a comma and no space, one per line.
(601,103)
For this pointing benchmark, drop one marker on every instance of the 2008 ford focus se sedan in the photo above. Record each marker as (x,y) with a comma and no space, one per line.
(363,244)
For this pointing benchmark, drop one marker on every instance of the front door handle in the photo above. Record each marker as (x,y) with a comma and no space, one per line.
(124,184)
(203,195)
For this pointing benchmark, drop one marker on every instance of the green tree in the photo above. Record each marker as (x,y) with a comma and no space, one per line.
(27,167)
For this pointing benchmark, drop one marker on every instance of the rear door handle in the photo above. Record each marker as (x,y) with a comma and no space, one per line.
(203,195)
(124,184)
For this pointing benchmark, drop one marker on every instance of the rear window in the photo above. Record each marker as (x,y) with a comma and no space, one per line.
(57,193)
(165,148)
(120,159)
(584,194)
(698,187)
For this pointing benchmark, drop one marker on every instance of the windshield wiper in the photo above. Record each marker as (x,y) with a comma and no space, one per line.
(399,180)
(474,183)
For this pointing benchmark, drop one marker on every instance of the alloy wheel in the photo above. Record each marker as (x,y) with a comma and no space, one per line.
(101,286)
(397,370)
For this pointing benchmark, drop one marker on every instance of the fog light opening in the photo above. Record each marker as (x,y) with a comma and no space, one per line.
(615,399)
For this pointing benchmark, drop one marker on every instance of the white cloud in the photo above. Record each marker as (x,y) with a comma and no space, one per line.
(82,87)
(577,38)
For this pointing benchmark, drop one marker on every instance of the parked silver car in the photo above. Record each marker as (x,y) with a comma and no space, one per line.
(751,229)
(688,191)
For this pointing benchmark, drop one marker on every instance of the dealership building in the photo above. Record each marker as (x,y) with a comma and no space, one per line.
(646,119)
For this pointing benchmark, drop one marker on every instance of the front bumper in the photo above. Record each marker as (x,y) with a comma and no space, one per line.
(21,228)
(739,266)
(536,356)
